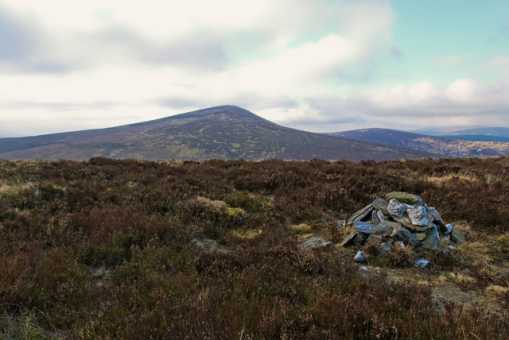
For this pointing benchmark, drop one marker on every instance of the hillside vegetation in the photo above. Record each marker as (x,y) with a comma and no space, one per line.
(444,146)
(213,250)
(223,132)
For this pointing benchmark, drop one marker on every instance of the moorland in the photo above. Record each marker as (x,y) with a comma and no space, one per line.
(124,249)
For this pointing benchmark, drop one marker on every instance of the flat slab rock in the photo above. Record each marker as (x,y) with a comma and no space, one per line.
(209,246)
(315,242)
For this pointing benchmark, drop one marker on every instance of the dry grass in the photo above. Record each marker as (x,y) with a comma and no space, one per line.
(445,179)
(139,222)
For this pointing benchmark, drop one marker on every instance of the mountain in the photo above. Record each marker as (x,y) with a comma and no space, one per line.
(479,138)
(224,132)
(473,133)
(449,146)
(485,131)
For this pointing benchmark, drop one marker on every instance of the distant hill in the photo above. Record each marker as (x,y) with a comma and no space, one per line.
(224,132)
(445,146)
(473,133)
(479,138)
(486,131)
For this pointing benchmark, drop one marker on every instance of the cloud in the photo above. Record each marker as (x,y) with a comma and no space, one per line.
(310,64)
(462,102)
(200,50)
(23,47)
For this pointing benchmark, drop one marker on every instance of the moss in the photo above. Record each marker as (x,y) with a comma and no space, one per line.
(302,228)
(235,212)
(248,201)
(247,234)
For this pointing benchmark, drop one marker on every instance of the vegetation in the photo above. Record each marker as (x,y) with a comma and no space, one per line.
(190,250)
(442,146)
(223,132)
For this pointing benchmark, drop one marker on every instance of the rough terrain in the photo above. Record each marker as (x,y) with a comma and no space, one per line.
(244,250)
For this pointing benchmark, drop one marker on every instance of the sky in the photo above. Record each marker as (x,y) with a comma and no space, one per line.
(318,65)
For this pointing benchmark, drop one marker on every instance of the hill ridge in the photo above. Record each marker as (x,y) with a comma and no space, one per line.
(222,132)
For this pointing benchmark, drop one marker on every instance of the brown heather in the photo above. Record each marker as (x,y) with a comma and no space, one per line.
(104,250)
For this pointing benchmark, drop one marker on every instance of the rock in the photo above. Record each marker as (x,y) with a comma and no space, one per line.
(385,247)
(340,224)
(449,228)
(362,214)
(405,236)
(349,240)
(99,272)
(383,229)
(360,257)
(419,215)
(380,204)
(378,217)
(396,208)
(405,197)
(432,240)
(407,223)
(209,246)
(315,242)
(363,269)
(420,236)
(457,237)
(435,216)
(401,219)
(364,227)
(422,263)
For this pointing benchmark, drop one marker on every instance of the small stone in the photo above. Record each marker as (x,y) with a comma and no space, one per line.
(449,228)
(457,237)
(364,269)
(422,263)
(380,204)
(385,247)
(315,242)
(400,245)
(209,246)
(340,224)
(360,257)
(420,236)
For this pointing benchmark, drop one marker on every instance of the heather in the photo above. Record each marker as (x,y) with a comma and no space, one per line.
(111,249)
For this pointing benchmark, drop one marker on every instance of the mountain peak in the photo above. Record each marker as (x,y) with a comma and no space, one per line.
(220,132)
(228,110)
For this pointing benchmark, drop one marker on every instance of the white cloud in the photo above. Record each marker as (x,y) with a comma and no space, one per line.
(463,91)
(121,59)
(96,63)
(403,95)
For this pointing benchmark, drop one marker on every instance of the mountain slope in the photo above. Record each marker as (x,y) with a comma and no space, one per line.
(449,146)
(487,131)
(225,132)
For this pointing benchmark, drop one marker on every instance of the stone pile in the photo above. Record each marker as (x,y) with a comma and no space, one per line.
(401,219)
